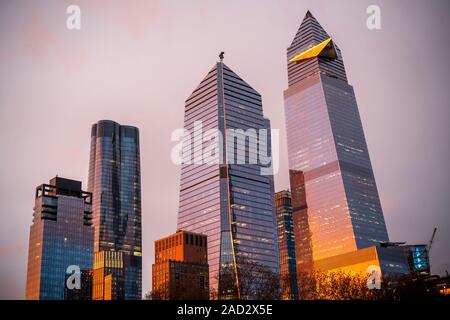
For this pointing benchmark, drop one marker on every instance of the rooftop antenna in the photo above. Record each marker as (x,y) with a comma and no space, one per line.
(221,56)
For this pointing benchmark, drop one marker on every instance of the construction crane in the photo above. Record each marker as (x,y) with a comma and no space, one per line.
(429,246)
(431,240)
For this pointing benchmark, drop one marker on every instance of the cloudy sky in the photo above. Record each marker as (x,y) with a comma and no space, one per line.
(136,62)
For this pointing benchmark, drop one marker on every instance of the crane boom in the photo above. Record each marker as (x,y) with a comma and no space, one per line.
(431,240)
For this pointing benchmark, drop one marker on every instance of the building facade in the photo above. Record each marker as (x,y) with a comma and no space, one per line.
(181,271)
(115,182)
(61,236)
(230,202)
(337,208)
(286,245)
(85,290)
(418,260)
(108,275)
(390,261)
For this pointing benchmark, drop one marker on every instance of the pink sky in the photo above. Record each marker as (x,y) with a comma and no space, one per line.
(136,62)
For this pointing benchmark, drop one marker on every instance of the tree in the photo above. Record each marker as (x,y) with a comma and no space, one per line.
(338,285)
(288,286)
(349,286)
(255,282)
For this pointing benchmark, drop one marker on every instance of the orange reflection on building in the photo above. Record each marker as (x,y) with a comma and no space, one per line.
(181,268)
(108,281)
(390,261)
(336,206)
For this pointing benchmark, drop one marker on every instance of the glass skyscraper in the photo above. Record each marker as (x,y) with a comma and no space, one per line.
(61,236)
(286,245)
(336,203)
(115,182)
(229,202)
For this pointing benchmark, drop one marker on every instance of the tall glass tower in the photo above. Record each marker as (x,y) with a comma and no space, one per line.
(115,181)
(336,204)
(229,202)
(61,236)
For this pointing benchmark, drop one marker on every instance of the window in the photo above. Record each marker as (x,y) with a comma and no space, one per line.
(202,282)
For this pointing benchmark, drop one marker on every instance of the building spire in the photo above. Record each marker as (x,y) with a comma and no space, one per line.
(309,33)
(312,42)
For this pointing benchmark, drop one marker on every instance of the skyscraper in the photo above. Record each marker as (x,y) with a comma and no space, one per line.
(286,245)
(115,182)
(336,204)
(61,236)
(230,202)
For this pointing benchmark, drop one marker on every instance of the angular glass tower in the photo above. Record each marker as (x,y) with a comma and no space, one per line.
(61,236)
(115,182)
(229,202)
(336,204)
